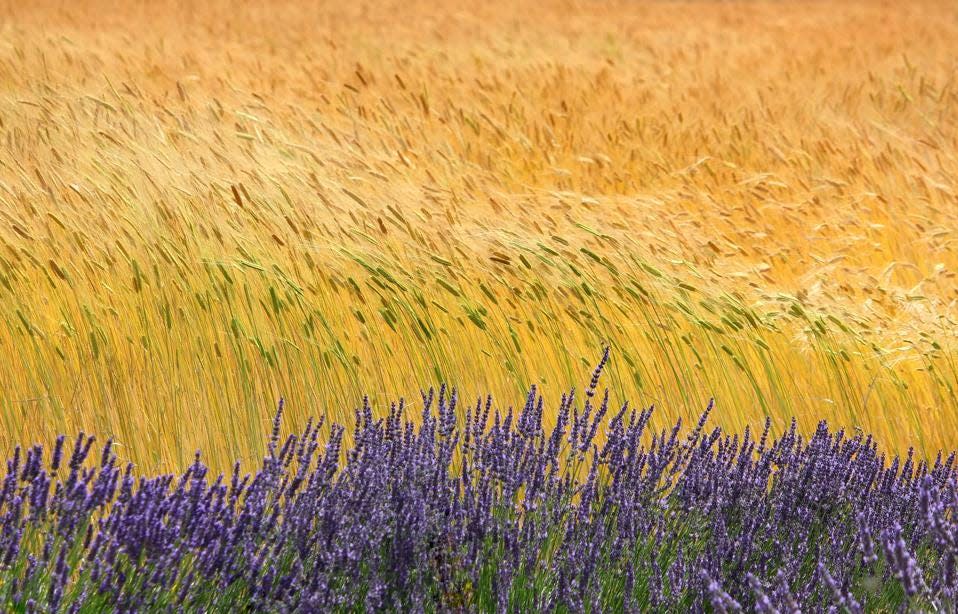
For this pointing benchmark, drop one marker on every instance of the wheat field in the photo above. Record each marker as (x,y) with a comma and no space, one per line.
(207,208)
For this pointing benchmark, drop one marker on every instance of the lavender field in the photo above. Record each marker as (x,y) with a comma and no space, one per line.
(467,508)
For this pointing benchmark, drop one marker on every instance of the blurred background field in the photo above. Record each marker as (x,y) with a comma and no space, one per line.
(207,207)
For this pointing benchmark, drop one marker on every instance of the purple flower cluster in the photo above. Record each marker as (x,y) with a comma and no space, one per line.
(479,509)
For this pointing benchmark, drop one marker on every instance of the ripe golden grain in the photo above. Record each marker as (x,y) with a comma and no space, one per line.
(750,200)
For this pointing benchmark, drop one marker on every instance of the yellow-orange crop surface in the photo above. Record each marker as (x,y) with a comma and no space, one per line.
(206,206)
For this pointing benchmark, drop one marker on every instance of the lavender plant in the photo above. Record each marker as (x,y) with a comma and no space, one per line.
(480,510)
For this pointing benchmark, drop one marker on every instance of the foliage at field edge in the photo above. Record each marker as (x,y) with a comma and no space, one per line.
(479,510)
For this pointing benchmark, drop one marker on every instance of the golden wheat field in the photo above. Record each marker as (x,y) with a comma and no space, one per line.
(207,207)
